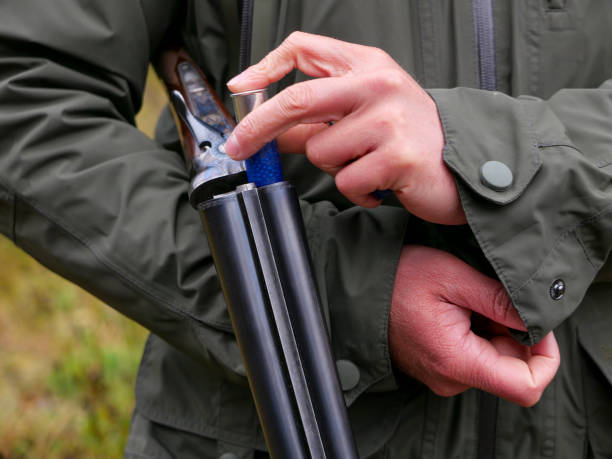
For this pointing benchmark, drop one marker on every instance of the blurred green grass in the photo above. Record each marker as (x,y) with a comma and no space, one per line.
(67,361)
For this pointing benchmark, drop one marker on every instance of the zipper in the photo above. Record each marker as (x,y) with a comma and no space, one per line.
(245,12)
(485,47)
(485,43)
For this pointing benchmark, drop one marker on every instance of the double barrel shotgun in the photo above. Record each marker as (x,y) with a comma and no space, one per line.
(255,231)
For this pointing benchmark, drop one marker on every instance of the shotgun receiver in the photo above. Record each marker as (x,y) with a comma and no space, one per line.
(256,235)
(203,125)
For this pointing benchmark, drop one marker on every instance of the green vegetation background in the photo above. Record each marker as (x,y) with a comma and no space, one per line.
(67,361)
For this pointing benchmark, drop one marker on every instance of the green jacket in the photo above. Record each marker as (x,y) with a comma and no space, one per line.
(92,198)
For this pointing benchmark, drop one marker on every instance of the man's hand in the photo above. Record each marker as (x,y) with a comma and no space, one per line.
(431,331)
(386,133)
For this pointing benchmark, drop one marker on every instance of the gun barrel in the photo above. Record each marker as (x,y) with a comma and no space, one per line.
(256,235)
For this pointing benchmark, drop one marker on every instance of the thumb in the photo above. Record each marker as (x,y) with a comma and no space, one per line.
(521,380)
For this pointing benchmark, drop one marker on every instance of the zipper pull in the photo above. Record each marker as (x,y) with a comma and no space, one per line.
(556,4)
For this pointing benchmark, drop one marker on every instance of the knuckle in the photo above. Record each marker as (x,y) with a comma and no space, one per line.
(294,38)
(343,183)
(502,306)
(531,396)
(246,129)
(387,81)
(295,41)
(445,389)
(295,100)
(401,159)
(314,152)
(346,185)
(379,54)
(393,79)
(285,51)
(402,166)
(263,69)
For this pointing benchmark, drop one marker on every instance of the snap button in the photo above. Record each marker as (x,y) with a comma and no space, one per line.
(228,456)
(496,175)
(557,289)
(348,374)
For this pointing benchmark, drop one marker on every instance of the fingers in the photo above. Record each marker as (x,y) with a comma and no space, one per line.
(545,359)
(431,331)
(471,289)
(460,284)
(294,140)
(358,180)
(342,143)
(508,346)
(499,367)
(326,99)
(314,101)
(314,55)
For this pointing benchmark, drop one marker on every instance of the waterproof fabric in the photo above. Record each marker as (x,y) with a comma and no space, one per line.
(98,202)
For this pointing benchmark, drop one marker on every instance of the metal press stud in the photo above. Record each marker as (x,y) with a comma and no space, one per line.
(557,289)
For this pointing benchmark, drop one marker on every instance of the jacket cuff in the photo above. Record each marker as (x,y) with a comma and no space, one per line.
(533,229)
(355,254)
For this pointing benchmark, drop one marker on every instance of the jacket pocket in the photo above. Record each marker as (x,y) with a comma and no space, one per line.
(149,439)
(7,213)
(557,15)
(573,45)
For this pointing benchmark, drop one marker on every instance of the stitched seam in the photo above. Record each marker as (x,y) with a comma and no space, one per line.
(534,156)
(389,284)
(558,241)
(584,250)
(599,163)
(488,252)
(124,276)
(583,391)
(143,362)
(530,128)
(549,444)
(558,144)
(177,420)
(603,163)
(142,287)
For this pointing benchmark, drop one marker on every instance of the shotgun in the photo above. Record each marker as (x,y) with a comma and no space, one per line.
(255,231)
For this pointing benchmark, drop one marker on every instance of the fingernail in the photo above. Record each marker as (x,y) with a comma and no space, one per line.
(232,148)
(240,78)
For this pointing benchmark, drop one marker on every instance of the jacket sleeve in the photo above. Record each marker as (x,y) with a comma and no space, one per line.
(549,234)
(92,198)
